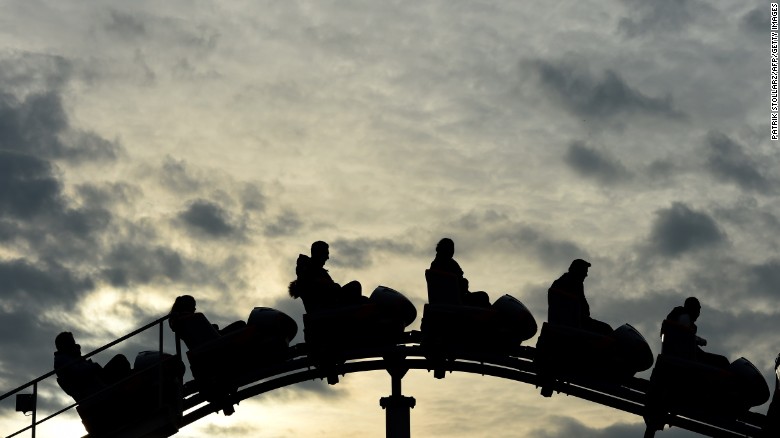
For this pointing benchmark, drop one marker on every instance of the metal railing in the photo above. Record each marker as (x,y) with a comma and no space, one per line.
(34,383)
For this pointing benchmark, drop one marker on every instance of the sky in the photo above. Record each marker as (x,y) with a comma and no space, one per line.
(152,149)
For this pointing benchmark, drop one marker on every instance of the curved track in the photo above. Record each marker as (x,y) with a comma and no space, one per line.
(517,366)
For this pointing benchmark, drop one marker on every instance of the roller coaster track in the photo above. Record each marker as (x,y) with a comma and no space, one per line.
(517,366)
(301,365)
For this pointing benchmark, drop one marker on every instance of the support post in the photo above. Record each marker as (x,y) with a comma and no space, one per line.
(35,407)
(397,406)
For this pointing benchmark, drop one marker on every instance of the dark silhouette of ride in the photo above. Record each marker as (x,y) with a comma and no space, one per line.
(117,400)
(444,262)
(686,380)
(574,345)
(772,426)
(220,360)
(315,287)
(339,318)
(455,318)
(574,350)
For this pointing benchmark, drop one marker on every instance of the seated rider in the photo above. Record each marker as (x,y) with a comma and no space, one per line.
(81,377)
(686,315)
(316,288)
(444,261)
(185,305)
(567,304)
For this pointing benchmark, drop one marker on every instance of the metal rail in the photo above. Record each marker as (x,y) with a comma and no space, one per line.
(517,365)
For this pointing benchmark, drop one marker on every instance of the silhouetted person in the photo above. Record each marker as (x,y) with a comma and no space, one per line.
(81,377)
(686,315)
(316,288)
(185,305)
(567,304)
(444,261)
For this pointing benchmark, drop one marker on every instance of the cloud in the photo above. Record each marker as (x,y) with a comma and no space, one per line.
(764,278)
(286,224)
(51,73)
(125,25)
(728,160)
(680,229)
(207,219)
(498,233)
(359,253)
(39,285)
(601,98)
(128,264)
(569,427)
(756,21)
(177,177)
(37,125)
(658,17)
(590,163)
(28,187)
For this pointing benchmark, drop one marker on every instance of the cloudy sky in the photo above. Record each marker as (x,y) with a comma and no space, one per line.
(150,149)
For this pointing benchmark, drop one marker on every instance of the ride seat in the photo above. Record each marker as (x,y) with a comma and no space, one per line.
(443,288)
(678,340)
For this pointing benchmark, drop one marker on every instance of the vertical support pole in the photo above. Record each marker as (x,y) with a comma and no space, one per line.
(160,367)
(397,406)
(34,407)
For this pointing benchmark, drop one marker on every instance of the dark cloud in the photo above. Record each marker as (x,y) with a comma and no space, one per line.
(550,251)
(286,224)
(107,195)
(127,264)
(764,278)
(503,234)
(756,21)
(207,218)
(125,25)
(359,253)
(679,229)
(28,73)
(252,198)
(176,176)
(38,125)
(658,17)
(40,284)
(19,331)
(28,187)
(602,97)
(590,163)
(729,161)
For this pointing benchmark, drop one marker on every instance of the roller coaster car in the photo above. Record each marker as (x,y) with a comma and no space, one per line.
(379,321)
(772,427)
(136,407)
(680,383)
(564,352)
(447,323)
(220,360)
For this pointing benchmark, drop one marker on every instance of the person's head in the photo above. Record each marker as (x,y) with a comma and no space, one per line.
(319,252)
(579,268)
(183,304)
(445,248)
(65,343)
(693,307)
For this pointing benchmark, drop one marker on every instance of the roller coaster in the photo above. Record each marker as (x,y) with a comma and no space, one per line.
(257,358)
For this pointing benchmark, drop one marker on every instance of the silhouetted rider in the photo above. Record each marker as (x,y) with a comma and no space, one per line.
(81,377)
(567,304)
(686,315)
(316,288)
(444,261)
